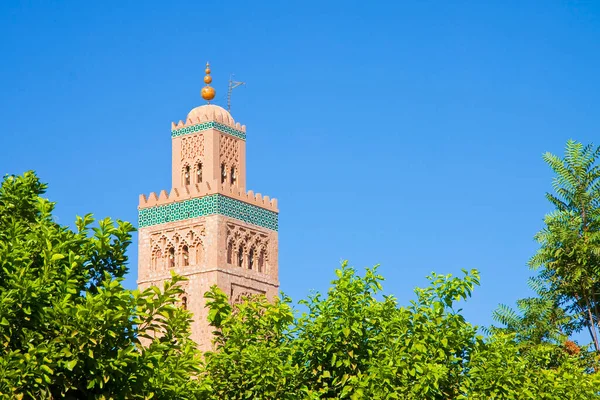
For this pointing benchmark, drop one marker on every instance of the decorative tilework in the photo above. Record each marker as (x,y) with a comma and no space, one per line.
(208,205)
(208,125)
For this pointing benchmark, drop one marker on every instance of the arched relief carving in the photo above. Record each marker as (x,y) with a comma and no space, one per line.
(198,251)
(241,296)
(229,157)
(177,248)
(184,296)
(239,293)
(247,248)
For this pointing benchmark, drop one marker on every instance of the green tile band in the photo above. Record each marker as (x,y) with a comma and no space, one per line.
(208,205)
(208,125)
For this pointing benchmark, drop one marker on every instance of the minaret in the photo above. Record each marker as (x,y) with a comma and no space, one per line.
(208,227)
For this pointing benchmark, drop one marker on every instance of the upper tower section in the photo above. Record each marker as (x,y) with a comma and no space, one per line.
(208,158)
(209,147)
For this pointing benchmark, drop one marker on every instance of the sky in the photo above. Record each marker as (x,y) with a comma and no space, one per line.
(408,134)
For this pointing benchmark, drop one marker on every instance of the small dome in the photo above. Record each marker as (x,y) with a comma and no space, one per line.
(210,112)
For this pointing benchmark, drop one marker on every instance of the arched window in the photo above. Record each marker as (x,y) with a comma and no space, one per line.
(199,173)
(251,258)
(171,258)
(186,175)
(232,176)
(156,255)
(223,173)
(230,253)
(199,252)
(184,302)
(240,260)
(185,256)
(261,261)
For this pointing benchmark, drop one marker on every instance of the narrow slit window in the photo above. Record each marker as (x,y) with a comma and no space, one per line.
(240,259)
(223,173)
(261,261)
(186,175)
(232,176)
(185,256)
(251,259)
(230,253)
(171,258)
(199,173)
(184,303)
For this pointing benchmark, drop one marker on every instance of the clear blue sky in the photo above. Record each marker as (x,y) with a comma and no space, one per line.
(403,133)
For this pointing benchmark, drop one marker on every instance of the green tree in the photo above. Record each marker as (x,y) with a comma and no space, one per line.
(568,260)
(354,343)
(68,327)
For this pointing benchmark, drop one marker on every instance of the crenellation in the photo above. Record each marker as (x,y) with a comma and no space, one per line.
(163,196)
(204,189)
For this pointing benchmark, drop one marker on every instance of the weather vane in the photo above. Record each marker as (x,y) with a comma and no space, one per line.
(232,85)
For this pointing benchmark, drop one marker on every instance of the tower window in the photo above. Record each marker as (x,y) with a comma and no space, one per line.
(184,303)
(240,259)
(185,256)
(199,173)
(171,258)
(232,176)
(155,259)
(223,173)
(261,261)
(251,259)
(230,253)
(199,253)
(186,175)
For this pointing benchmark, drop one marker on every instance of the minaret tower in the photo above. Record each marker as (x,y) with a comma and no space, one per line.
(208,227)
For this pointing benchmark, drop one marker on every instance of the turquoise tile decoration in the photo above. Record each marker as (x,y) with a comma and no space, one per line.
(208,205)
(208,125)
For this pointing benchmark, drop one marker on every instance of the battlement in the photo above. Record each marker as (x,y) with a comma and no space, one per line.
(205,189)
(216,118)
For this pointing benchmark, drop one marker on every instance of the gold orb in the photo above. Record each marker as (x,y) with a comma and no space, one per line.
(208,93)
(207,79)
(207,71)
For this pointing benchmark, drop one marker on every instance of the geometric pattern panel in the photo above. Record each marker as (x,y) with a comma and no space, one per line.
(192,147)
(208,205)
(208,125)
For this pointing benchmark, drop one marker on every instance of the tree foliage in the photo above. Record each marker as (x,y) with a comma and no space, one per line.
(68,328)
(355,344)
(568,260)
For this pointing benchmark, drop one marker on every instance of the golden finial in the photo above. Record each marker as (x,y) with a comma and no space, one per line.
(208,92)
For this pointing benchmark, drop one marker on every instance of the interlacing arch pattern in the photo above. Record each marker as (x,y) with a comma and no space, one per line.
(192,156)
(230,159)
(192,147)
(240,297)
(247,248)
(177,249)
